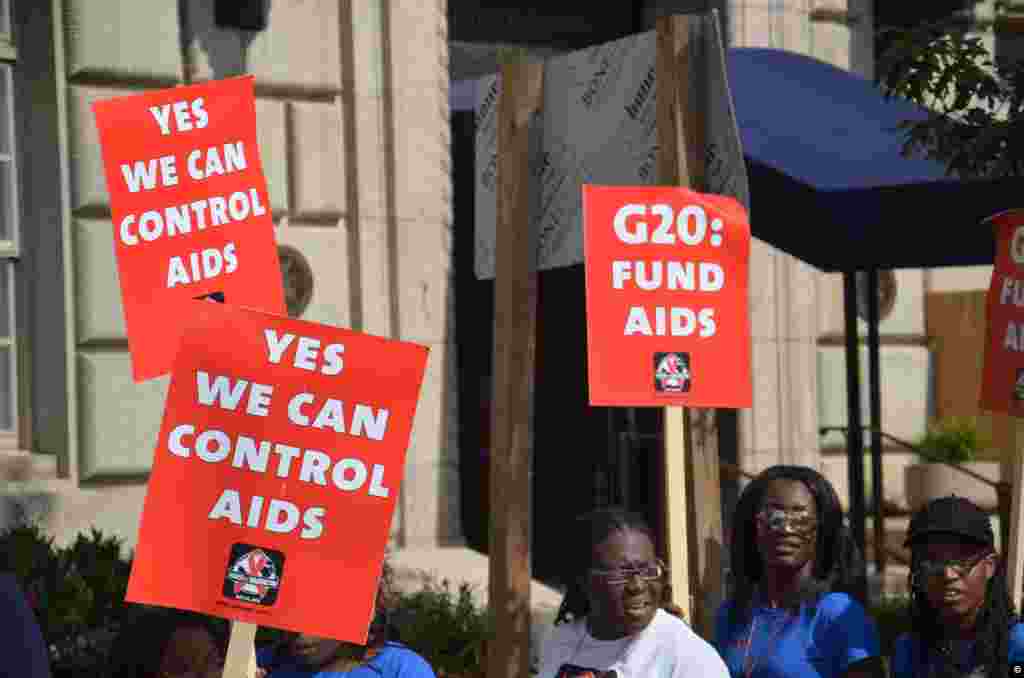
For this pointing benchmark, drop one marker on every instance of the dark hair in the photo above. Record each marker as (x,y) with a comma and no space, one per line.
(995,619)
(139,648)
(384,627)
(837,559)
(586,533)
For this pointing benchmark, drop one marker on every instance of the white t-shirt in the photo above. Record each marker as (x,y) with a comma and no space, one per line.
(667,648)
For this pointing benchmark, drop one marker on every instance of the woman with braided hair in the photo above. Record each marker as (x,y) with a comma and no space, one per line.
(962,618)
(793,562)
(611,621)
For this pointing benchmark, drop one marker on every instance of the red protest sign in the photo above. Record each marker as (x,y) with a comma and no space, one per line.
(667,277)
(276,472)
(190,210)
(1002,379)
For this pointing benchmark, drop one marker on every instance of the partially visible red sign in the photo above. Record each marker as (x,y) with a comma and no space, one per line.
(190,210)
(277,472)
(667,308)
(1002,380)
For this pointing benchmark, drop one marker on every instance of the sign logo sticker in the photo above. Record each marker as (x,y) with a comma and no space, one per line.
(672,372)
(253,574)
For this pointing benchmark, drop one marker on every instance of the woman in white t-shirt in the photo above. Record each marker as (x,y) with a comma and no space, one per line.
(610,623)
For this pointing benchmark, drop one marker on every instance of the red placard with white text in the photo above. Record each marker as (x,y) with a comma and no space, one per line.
(277,471)
(1002,379)
(667,310)
(191,214)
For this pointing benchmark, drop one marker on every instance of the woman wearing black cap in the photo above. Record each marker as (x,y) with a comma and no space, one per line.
(962,619)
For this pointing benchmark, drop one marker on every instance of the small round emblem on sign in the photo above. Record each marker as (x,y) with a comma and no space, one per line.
(1017,246)
(297,277)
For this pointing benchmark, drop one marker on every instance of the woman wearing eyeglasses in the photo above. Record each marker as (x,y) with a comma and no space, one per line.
(792,560)
(610,622)
(962,620)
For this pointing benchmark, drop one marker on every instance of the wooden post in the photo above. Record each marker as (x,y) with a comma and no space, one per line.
(692,492)
(241,658)
(1014,550)
(515,317)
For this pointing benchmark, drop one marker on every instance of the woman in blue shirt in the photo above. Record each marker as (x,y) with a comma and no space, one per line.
(306,656)
(791,559)
(962,619)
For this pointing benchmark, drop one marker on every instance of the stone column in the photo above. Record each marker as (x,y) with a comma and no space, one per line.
(782,425)
(396,77)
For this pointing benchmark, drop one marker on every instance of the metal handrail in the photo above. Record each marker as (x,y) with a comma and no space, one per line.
(998,485)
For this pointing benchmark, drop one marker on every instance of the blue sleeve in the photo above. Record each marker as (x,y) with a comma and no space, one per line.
(264,656)
(721,626)
(1017,644)
(395,661)
(25,655)
(851,635)
(901,665)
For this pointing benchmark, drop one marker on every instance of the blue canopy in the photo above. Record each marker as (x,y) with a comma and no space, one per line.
(828,181)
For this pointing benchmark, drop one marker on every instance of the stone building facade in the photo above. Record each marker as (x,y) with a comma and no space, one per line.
(352,114)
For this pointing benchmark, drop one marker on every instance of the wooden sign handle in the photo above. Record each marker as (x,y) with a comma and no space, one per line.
(1014,551)
(241,658)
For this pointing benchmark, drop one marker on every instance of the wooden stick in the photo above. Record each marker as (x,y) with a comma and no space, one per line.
(515,318)
(241,658)
(672,35)
(692,494)
(1015,549)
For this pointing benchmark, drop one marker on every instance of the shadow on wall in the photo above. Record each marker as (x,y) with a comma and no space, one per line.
(217,52)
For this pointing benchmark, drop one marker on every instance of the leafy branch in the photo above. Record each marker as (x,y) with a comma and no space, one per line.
(974,103)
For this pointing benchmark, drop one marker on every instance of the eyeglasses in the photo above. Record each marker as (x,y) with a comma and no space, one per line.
(622,575)
(800,521)
(960,568)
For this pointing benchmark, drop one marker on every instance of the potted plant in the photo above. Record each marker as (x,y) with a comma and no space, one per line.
(955,441)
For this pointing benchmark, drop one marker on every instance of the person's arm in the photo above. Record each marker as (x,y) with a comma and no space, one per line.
(25,655)
(852,637)
(1016,649)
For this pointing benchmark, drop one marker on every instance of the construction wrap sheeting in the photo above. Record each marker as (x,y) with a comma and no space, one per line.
(598,127)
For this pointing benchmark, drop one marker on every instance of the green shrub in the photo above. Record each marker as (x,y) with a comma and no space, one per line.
(77,593)
(956,440)
(446,627)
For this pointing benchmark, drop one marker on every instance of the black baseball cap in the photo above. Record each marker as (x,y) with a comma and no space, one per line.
(953,516)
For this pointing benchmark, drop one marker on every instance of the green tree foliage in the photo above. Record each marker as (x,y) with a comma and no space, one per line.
(975,102)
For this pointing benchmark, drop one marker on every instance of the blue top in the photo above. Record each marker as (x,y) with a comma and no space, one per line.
(25,653)
(820,641)
(393,661)
(907,653)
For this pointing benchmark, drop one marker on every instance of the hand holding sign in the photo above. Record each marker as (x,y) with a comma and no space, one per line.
(190,210)
(276,472)
(666,272)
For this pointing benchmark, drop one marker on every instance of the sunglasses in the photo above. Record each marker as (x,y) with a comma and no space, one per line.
(929,569)
(800,521)
(622,575)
